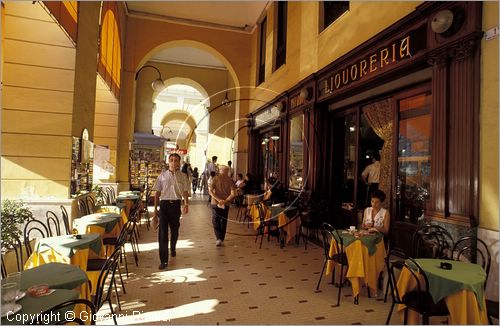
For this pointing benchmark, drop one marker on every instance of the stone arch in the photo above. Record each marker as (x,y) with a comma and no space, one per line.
(188,82)
(198,45)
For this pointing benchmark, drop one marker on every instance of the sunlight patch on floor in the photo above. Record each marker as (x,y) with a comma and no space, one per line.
(168,315)
(183,275)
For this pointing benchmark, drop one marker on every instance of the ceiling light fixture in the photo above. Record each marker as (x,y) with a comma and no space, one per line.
(226,102)
(158,85)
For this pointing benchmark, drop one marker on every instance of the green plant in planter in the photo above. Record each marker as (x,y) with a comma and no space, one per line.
(14,214)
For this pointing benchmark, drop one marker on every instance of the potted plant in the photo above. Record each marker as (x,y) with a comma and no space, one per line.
(14,214)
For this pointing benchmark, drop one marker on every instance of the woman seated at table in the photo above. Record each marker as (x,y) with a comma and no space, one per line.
(376,218)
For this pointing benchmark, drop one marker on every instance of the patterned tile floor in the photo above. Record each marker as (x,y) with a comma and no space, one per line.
(237,283)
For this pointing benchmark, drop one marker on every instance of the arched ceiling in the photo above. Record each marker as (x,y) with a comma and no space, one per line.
(230,15)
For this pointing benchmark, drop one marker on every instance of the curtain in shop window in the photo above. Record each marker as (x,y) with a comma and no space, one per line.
(379,115)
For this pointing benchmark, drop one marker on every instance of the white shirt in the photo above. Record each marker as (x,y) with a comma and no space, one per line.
(230,172)
(212,167)
(372,171)
(172,185)
(379,218)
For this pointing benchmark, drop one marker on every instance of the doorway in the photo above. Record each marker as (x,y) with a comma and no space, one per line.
(352,144)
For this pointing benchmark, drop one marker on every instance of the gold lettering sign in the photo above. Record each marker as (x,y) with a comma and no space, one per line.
(396,51)
(296,101)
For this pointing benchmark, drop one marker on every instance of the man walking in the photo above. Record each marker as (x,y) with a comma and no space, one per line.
(371,176)
(170,187)
(222,191)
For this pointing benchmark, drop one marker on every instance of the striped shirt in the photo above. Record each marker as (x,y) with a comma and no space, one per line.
(172,185)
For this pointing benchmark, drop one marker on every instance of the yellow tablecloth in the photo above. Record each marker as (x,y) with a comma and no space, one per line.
(290,228)
(362,266)
(80,259)
(462,305)
(254,213)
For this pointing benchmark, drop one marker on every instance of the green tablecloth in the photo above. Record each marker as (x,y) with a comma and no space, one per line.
(67,245)
(103,214)
(128,197)
(462,276)
(32,306)
(290,211)
(108,223)
(370,241)
(130,192)
(56,275)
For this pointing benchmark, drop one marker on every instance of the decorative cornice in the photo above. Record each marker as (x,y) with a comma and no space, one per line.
(438,58)
(462,49)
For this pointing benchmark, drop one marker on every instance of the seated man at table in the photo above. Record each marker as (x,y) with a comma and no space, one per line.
(376,218)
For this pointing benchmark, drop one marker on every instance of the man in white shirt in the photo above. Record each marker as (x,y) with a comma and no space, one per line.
(371,176)
(212,166)
(170,187)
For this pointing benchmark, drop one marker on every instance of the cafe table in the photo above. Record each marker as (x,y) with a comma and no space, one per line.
(56,276)
(461,287)
(66,249)
(129,192)
(128,202)
(33,306)
(288,221)
(365,255)
(106,224)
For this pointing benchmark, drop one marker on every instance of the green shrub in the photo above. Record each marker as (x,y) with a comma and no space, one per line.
(14,214)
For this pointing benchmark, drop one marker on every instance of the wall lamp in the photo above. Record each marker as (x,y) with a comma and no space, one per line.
(306,93)
(157,84)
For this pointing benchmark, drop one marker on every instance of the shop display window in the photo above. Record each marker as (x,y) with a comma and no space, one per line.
(296,165)
(414,157)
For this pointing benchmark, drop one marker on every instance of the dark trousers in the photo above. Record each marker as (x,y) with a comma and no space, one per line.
(219,221)
(170,214)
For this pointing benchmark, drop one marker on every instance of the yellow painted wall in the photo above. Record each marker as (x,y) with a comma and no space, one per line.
(488,209)
(308,50)
(85,68)
(229,47)
(37,104)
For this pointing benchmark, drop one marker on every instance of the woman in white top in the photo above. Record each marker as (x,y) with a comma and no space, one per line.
(376,218)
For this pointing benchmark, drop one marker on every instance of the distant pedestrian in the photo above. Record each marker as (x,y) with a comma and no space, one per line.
(212,166)
(196,176)
(230,171)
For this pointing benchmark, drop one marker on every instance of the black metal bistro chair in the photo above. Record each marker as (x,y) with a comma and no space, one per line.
(331,237)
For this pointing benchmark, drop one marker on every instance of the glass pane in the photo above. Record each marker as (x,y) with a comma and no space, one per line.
(370,145)
(414,159)
(270,144)
(296,152)
(344,161)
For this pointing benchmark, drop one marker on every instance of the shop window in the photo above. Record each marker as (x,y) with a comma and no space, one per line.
(344,161)
(414,157)
(261,68)
(296,152)
(270,145)
(281,24)
(330,11)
